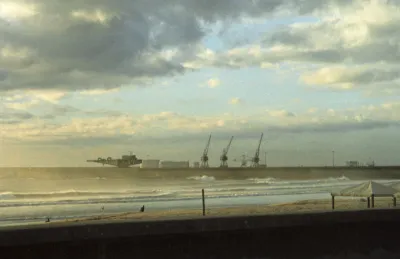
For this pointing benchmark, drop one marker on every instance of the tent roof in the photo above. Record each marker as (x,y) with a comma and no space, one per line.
(367,189)
(396,186)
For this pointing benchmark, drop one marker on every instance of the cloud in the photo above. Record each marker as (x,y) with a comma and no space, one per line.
(235,101)
(361,36)
(213,82)
(13,116)
(280,113)
(312,110)
(349,77)
(13,10)
(46,44)
(21,104)
(99,91)
(124,44)
(25,100)
(166,125)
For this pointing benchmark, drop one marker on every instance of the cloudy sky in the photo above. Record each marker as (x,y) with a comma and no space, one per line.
(83,79)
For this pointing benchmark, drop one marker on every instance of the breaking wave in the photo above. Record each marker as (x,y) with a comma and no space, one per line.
(275,180)
(202,178)
(72,193)
(189,189)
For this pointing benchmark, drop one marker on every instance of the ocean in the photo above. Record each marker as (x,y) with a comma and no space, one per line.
(30,195)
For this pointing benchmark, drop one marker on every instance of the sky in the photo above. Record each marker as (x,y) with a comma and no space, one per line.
(98,78)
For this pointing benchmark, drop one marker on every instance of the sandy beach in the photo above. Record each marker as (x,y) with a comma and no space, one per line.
(300,206)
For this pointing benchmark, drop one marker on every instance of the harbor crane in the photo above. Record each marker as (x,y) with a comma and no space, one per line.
(224,156)
(256,159)
(204,157)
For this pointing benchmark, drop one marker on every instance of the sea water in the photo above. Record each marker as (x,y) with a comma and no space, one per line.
(30,196)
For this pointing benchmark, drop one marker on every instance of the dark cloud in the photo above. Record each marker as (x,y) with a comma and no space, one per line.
(57,110)
(63,50)
(11,116)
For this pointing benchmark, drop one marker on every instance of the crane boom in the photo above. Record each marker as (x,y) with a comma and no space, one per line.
(205,152)
(226,150)
(256,158)
(204,157)
(224,156)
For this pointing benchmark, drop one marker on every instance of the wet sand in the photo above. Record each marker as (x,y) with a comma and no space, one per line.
(295,207)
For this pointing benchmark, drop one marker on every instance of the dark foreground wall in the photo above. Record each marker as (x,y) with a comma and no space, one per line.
(313,235)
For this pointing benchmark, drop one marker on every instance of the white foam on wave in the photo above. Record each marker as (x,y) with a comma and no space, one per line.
(263,180)
(75,194)
(271,180)
(178,190)
(6,195)
(202,178)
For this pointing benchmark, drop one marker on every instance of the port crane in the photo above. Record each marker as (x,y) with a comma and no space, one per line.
(204,157)
(224,156)
(256,159)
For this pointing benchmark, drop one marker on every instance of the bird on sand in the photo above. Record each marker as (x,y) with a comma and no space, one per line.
(142,209)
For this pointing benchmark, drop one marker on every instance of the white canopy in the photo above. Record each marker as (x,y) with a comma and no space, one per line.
(367,189)
(396,186)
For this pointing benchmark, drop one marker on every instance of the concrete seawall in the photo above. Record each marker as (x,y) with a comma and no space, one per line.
(268,236)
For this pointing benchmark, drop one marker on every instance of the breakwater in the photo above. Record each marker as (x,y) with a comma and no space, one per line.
(306,235)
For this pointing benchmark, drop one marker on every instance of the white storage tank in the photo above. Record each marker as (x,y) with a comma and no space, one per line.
(150,163)
(174,164)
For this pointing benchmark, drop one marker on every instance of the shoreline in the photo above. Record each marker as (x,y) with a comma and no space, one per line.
(303,206)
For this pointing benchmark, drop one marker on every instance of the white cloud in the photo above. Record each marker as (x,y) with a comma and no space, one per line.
(49,96)
(213,82)
(361,36)
(10,10)
(235,100)
(312,110)
(280,113)
(351,76)
(22,105)
(167,124)
(27,100)
(128,41)
(92,16)
(99,91)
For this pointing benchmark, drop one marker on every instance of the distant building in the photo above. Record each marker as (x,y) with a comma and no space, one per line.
(150,163)
(174,164)
(352,163)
